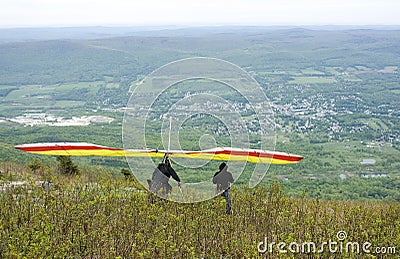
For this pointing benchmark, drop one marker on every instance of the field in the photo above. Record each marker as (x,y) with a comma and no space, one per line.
(97,215)
(312,80)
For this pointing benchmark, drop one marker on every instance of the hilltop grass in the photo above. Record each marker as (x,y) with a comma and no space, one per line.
(95,215)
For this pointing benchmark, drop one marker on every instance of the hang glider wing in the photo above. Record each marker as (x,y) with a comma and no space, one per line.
(226,153)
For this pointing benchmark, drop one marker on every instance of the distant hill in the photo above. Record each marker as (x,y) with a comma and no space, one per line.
(87,54)
(98,32)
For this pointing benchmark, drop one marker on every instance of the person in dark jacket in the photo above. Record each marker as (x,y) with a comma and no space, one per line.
(223,178)
(160,178)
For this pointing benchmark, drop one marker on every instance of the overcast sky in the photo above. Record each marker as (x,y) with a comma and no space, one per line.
(31,13)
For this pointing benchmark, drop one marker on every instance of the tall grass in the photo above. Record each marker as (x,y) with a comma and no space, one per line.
(97,216)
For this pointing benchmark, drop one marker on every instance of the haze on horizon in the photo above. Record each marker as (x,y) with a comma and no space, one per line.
(65,13)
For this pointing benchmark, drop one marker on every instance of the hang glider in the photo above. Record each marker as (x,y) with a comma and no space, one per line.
(224,153)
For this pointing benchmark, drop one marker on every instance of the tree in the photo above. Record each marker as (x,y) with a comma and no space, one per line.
(35,165)
(66,166)
(128,174)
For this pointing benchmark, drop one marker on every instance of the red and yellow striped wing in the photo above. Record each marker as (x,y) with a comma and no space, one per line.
(225,154)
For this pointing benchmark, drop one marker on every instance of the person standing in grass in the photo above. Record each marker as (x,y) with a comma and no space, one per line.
(160,178)
(223,179)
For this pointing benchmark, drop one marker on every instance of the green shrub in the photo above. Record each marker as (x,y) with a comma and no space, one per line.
(66,166)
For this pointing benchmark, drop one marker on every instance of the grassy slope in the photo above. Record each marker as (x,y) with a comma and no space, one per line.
(94,215)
